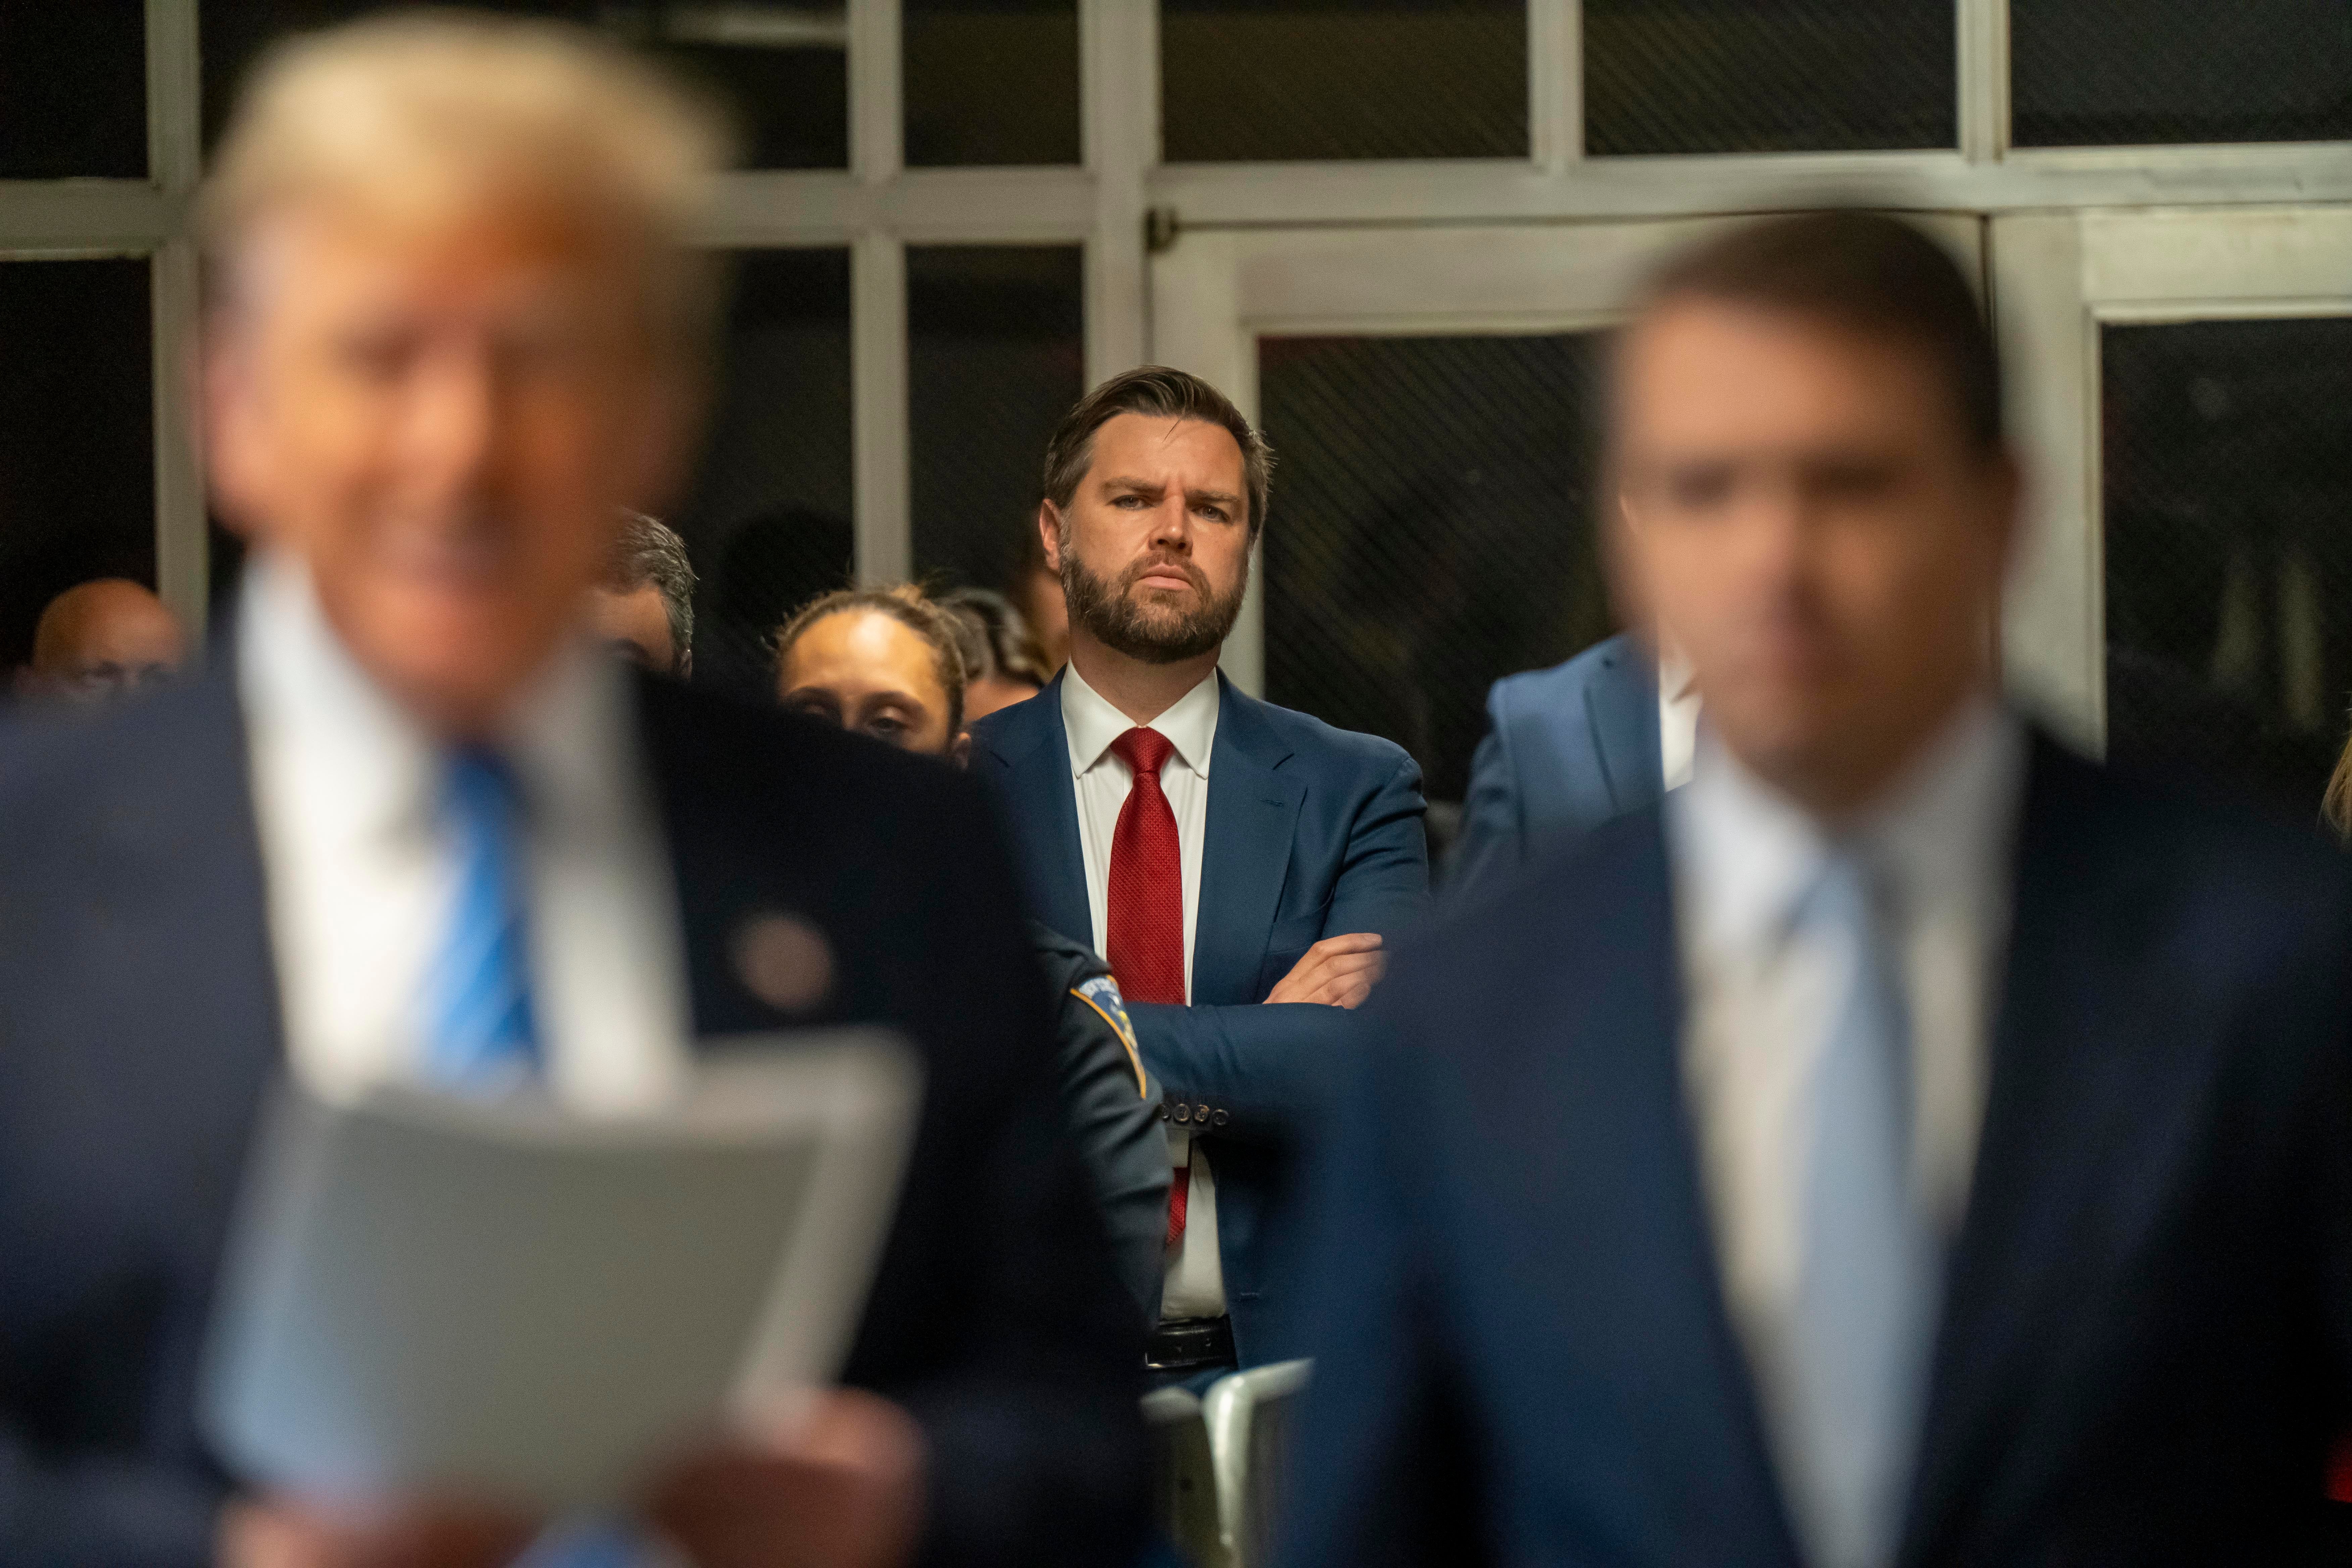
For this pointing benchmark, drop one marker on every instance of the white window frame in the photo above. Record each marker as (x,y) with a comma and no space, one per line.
(2059,279)
(1216,294)
(879,206)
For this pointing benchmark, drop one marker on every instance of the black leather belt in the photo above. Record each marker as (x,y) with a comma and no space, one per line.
(1190,1344)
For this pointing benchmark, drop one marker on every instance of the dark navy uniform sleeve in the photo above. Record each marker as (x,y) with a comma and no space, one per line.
(1113,1107)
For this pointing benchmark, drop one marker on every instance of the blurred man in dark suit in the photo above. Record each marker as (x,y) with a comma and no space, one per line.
(415,826)
(1907,1143)
(1237,864)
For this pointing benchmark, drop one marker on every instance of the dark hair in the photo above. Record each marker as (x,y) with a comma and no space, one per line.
(905,604)
(1159,392)
(972,643)
(1873,274)
(649,551)
(1006,647)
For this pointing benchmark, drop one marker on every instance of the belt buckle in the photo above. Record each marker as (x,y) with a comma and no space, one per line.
(1186,1344)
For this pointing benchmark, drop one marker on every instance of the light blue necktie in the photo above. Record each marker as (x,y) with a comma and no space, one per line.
(482,1036)
(1872,1272)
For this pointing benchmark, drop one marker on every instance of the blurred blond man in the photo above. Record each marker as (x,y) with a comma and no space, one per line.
(420,826)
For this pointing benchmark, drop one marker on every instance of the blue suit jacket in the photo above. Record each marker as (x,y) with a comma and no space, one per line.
(140,1028)
(2148,1330)
(1312,832)
(1565,749)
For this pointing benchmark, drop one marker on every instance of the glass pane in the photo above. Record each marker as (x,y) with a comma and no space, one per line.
(73,90)
(2228,481)
(76,436)
(995,356)
(784,72)
(991,81)
(1430,531)
(768,517)
(1257,80)
(2096,72)
(1768,76)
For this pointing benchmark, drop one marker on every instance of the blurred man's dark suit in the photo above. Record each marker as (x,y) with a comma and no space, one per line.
(2148,1325)
(140,1023)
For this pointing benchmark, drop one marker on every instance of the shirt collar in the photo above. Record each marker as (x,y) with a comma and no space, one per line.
(1942,833)
(1674,677)
(302,691)
(1091,722)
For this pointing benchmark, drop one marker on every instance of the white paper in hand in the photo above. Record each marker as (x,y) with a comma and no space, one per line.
(429,1294)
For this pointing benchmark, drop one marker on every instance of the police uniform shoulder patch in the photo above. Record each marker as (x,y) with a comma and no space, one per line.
(1101,993)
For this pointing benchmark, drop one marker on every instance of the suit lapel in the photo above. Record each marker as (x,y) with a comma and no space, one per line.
(2079,1050)
(1621,703)
(1629,1141)
(1253,809)
(1033,751)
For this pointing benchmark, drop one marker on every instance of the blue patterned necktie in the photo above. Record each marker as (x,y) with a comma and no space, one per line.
(1872,1271)
(481,1035)
(484,1036)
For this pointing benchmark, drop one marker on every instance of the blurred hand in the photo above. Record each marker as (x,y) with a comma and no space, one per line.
(1338,972)
(276,1532)
(840,1488)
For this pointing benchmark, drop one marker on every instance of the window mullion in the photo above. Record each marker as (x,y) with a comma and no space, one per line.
(174,166)
(1555,83)
(877,299)
(1118,87)
(1984,79)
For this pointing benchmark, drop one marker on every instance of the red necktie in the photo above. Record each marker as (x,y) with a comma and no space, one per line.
(1145,929)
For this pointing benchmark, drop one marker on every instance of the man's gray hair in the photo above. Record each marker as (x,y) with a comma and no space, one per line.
(649,551)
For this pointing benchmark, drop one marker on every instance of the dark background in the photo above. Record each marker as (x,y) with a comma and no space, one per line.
(1433,515)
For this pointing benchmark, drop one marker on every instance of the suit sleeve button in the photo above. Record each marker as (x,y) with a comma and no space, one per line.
(1219,1120)
(1184,1113)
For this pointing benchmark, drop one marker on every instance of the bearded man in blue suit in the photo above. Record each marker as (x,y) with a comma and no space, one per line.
(1239,865)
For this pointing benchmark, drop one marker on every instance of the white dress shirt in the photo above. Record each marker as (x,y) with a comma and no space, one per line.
(360,870)
(1678,707)
(1091,723)
(1195,1285)
(1761,994)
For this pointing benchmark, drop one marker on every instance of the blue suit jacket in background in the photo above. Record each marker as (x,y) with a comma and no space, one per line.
(1312,832)
(2148,1329)
(1565,749)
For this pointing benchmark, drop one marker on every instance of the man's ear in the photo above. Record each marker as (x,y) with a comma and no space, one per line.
(2006,504)
(1618,567)
(1049,534)
(228,422)
(661,448)
(959,748)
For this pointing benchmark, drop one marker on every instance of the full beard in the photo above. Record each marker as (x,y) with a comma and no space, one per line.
(1149,632)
